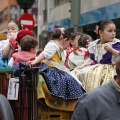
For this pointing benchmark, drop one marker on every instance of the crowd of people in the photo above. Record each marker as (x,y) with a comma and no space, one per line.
(73,65)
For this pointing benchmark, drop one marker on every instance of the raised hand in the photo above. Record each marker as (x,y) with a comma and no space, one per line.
(13,43)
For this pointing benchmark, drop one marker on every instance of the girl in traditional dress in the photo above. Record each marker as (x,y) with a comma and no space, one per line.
(60,83)
(71,47)
(103,52)
(79,54)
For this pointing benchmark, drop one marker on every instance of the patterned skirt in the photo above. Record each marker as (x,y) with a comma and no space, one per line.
(60,83)
(96,75)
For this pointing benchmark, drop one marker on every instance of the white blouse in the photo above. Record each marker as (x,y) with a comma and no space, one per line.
(51,48)
(3,44)
(98,49)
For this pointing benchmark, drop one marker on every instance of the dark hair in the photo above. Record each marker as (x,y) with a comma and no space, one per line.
(84,40)
(38,52)
(73,35)
(17,23)
(28,42)
(58,32)
(102,23)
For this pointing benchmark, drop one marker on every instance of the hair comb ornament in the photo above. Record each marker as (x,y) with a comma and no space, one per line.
(96,29)
(62,31)
(88,40)
(56,27)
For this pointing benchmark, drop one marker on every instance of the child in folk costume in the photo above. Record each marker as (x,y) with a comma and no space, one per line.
(102,100)
(80,54)
(103,52)
(72,46)
(58,80)
(28,46)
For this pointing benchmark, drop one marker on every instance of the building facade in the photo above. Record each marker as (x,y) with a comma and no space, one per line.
(53,13)
(10,10)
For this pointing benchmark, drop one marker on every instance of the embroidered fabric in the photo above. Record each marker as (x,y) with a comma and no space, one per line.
(59,65)
(98,49)
(3,44)
(51,48)
(79,57)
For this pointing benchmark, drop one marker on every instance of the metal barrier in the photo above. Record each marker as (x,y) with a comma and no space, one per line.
(5,74)
(25,108)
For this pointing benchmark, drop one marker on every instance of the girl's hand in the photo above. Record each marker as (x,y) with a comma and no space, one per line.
(108,47)
(13,43)
(31,63)
(80,67)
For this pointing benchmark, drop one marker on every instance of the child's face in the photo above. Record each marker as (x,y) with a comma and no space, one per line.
(108,34)
(75,41)
(65,43)
(12,27)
